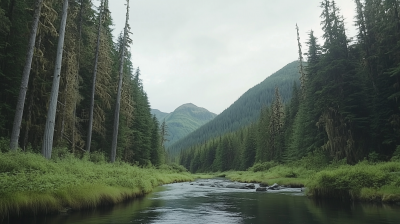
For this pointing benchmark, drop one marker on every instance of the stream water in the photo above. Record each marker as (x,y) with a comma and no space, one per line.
(199,202)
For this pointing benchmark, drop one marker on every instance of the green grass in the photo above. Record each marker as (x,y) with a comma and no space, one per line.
(363,181)
(282,175)
(31,184)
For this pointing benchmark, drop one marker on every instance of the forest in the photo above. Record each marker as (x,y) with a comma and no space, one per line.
(100,98)
(76,129)
(345,109)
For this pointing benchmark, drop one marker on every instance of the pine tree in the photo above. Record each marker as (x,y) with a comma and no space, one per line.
(250,147)
(51,115)
(90,127)
(117,104)
(25,78)
(275,144)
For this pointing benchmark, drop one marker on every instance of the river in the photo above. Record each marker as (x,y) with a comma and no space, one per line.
(199,202)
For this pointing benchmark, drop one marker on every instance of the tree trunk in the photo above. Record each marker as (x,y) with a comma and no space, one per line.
(76,80)
(89,134)
(51,114)
(25,78)
(117,103)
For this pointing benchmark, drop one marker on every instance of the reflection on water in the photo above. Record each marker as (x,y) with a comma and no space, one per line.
(194,204)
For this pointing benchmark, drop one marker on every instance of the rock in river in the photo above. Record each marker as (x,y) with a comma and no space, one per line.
(274,187)
(261,189)
(236,186)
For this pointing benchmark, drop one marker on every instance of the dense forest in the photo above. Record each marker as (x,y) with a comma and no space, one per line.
(346,107)
(245,110)
(62,55)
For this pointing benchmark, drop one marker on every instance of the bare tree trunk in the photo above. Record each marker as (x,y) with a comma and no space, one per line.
(118,101)
(25,78)
(89,134)
(76,80)
(51,114)
(29,116)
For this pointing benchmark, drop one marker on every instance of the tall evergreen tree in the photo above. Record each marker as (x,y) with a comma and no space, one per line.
(51,115)
(118,101)
(96,59)
(25,78)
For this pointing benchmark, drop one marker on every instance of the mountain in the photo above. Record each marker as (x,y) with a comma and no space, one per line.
(183,120)
(246,109)
(159,115)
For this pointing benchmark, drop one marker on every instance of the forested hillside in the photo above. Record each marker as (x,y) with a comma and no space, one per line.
(184,120)
(244,110)
(159,114)
(346,108)
(97,95)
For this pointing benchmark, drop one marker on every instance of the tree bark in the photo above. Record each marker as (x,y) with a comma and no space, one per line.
(96,60)
(76,80)
(51,114)
(25,78)
(117,103)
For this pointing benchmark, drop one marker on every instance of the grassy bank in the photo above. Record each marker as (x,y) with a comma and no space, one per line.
(280,174)
(365,181)
(31,184)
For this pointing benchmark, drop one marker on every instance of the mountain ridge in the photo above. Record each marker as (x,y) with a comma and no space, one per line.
(183,120)
(244,110)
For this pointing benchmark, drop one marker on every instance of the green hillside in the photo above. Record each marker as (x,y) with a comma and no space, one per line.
(159,114)
(245,110)
(183,120)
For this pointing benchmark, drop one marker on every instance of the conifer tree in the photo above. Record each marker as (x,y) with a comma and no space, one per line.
(51,115)
(90,126)
(117,104)
(25,78)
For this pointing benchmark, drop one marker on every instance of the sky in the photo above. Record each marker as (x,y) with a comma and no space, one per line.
(210,52)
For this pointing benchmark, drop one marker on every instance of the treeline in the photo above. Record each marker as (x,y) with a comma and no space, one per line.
(245,110)
(90,95)
(346,107)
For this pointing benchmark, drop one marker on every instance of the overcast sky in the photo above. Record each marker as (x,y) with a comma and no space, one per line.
(210,52)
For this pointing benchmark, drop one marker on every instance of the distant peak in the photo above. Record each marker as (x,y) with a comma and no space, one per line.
(188,105)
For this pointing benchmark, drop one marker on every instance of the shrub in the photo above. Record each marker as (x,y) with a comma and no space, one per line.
(4,145)
(173,167)
(59,153)
(257,167)
(396,154)
(316,160)
(97,157)
(374,157)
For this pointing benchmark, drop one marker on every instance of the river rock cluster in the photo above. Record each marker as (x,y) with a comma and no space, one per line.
(248,186)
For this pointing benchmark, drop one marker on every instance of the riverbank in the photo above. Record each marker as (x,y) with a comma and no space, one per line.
(30,184)
(365,181)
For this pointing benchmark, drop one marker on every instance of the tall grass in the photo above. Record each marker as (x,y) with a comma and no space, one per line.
(363,181)
(31,184)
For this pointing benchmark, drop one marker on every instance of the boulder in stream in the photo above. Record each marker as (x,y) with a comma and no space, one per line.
(250,186)
(275,186)
(261,189)
(236,186)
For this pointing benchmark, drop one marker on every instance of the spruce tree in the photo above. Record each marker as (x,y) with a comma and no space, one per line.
(25,78)
(51,115)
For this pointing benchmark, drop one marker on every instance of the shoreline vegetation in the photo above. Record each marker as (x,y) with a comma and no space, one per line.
(31,184)
(365,181)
